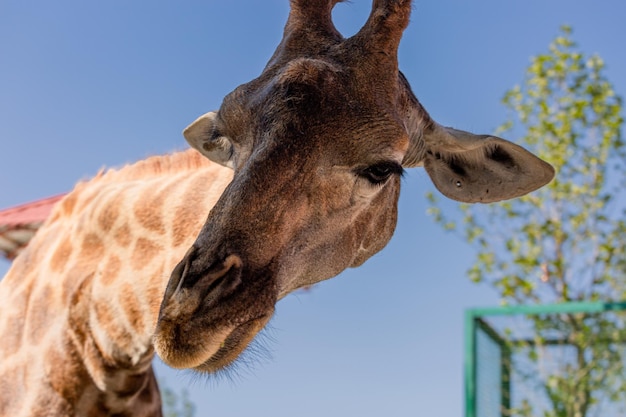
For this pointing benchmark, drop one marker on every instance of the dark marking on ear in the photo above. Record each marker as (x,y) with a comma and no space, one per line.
(209,146)
(503,157)
(457,169)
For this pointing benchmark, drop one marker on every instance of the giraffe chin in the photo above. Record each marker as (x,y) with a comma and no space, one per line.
(209,352)
(233,346)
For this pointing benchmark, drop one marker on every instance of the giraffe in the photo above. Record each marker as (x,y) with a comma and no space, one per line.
(318,143)
(303,183)
(79,305)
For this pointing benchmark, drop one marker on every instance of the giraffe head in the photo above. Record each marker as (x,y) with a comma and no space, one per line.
(318,143)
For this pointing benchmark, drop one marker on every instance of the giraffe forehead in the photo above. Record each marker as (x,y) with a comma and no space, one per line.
(307,94)
(344,134)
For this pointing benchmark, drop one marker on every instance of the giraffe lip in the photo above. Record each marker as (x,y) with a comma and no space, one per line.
(233,345)
(208,350)
(206,331)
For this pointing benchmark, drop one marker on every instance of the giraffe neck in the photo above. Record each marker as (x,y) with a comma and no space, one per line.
(82,300)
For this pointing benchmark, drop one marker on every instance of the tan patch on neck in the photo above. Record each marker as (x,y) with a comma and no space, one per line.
(106,318)
(61,255)
(122,235)
(191,211)
(110,213)
(111,270)
(11,332)
(41,314)
(12,384)
(148,214)
(148,209)
(132,307)
(143,253)
(183,223)
(91,247)
(64,208)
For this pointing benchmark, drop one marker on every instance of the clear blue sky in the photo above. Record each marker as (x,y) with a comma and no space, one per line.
(90,84)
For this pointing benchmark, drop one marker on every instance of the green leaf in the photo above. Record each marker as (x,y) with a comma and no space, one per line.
(565,241)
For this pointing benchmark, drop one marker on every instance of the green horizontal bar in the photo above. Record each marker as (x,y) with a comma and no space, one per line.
(571,307)
(517,343)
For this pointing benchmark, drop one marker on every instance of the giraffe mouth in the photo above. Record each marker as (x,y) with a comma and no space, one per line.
(208,350)
(208,319)
(209,315)
(233,345)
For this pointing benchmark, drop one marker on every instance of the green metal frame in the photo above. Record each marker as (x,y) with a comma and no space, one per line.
(474,321)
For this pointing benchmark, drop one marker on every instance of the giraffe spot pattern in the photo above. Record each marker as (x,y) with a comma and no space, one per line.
(92,247)
(11,385)
(110,213)
(66,207)
(111,270)
(12,334)
(40,317)
(61,255)
(143,253)
(123,235)
(132,307)
(106,319)
(69,203)
(52,346)
(147,212)
(191,212)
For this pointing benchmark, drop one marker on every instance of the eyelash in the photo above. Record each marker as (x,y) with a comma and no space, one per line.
(379,173)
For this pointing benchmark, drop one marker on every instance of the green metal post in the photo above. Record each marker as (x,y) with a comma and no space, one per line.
(505,363)
(470,364)
(505,379)
(473,321)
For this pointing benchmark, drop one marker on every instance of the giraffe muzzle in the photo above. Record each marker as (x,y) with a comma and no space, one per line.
(208,286)
(208,317)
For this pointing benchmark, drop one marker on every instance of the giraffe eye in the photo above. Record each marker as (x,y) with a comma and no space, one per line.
(379,173)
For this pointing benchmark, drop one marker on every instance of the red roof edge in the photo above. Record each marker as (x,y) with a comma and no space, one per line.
(35,211)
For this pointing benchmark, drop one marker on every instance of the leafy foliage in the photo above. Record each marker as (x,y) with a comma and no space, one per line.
(564,242)
(176,404)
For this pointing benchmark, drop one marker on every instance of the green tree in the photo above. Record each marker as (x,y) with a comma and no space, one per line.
(564,242)
(176,404)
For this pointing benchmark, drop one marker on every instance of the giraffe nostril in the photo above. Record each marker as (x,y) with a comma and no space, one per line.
(219,280)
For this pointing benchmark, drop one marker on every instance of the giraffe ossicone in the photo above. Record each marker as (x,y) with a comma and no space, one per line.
(304,183)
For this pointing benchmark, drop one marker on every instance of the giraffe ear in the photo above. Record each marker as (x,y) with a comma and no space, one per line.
(203,137)
(481,168)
